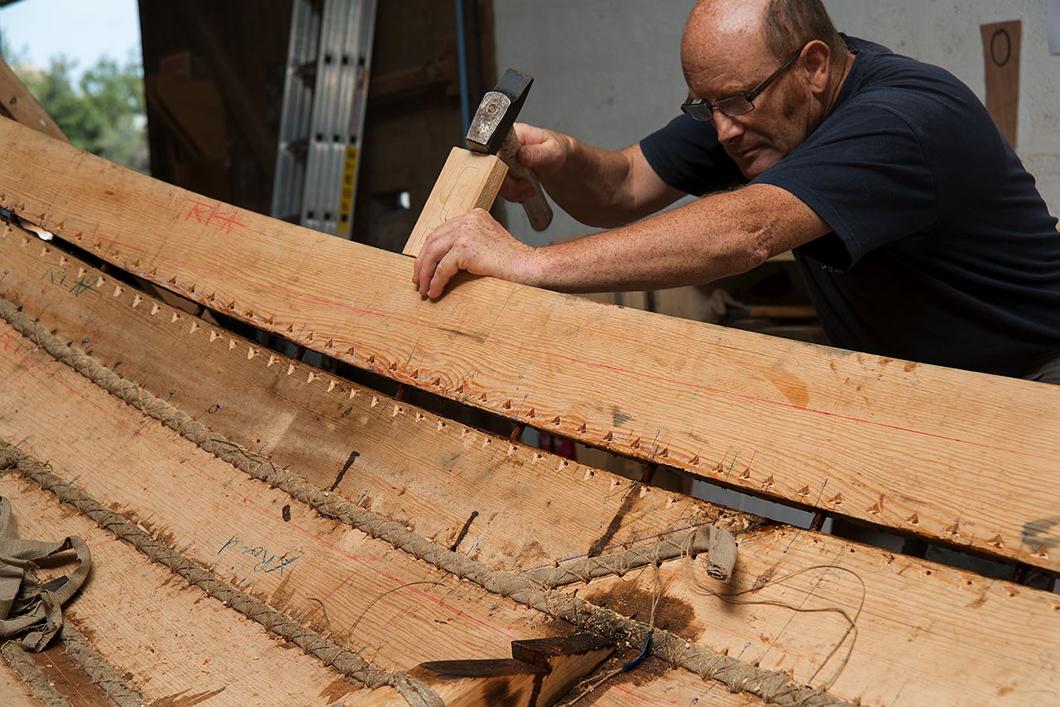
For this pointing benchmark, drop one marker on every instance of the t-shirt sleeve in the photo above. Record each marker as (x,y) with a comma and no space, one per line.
(686,155)
(866,174)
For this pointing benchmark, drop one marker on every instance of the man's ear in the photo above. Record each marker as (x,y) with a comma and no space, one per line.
(815,63)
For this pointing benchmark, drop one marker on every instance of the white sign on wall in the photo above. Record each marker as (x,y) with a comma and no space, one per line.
(1052,23)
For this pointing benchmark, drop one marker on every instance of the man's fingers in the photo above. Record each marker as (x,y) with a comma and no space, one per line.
(515,189)
(434,247)
(447,267)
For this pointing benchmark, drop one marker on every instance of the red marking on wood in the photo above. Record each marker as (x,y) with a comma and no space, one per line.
(209,215)
(627,372)
(326,544)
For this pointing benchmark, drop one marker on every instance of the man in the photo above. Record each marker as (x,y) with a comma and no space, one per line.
(918,231)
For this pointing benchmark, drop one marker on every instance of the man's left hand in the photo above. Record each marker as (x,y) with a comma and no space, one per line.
(476,243)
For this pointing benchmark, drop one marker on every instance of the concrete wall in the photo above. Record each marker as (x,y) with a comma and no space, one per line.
(608,71)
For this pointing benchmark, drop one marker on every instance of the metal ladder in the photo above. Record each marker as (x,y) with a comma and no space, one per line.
(324,97)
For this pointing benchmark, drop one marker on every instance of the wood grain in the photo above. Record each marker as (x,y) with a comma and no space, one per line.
(526,507)
(468,180)
(330,577)
(927,634)
(14,691)
(19,104)
(963,458)
(170,640)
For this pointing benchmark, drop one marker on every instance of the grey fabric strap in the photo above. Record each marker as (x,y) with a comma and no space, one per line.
(26,605)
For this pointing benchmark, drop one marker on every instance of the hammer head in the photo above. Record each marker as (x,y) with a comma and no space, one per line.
(497,112)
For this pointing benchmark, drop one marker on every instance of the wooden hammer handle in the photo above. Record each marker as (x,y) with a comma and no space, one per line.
(537,208)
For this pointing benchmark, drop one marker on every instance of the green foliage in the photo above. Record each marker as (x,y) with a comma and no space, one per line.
(102,111)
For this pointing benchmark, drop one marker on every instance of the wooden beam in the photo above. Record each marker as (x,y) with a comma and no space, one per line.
(507,504)
(326,575)
(925,633)
(16,693)
(469,180)
(246,115)
(957,457)
(170,642)
(299,422)
(18,103)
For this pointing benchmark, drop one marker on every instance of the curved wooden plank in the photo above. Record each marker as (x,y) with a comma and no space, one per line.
(330,577)
(507,504)
(172,642)
(957,457)
(927,634)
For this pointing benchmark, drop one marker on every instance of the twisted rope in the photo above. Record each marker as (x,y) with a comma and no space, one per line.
(772,686)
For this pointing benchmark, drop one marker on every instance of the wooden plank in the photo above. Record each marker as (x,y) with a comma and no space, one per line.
(170,640)
(35,269)
(16,693)
(68,678)
(333,578)
(468,180)
(926,634)
(910,446)
(653,683)
(18,103)
(526,508)
(1001,59)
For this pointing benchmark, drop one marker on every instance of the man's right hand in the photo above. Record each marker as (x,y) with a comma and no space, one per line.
(597,187)
(543,151)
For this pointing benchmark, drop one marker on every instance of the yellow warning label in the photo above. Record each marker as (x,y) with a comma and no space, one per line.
(349,189)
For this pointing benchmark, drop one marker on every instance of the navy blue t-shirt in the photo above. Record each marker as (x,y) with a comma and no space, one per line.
(942,249)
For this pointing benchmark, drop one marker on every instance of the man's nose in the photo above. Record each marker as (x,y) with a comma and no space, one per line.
(727,128)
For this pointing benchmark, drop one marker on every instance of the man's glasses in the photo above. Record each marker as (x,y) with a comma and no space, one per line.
(734,106)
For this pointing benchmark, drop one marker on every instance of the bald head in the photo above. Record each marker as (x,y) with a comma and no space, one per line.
(735,31)
(722,33)
(782,58)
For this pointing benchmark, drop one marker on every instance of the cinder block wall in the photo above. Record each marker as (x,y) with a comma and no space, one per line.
(609,72)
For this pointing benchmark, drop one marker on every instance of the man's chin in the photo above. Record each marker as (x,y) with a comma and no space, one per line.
(755,164)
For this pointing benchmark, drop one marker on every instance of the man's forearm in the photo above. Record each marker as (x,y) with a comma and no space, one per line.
(593,186)
(721,235)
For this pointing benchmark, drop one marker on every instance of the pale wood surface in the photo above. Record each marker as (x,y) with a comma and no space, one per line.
(927,634)
(531,507)
(468,180)
(364,593)
(13,690)
(964,458)
(190,370)
(17,102)
(653,683)
(173,641)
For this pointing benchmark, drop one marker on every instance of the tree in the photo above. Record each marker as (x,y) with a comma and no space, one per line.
(101,112)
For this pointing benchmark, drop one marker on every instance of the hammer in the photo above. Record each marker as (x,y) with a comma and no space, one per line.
(491,132)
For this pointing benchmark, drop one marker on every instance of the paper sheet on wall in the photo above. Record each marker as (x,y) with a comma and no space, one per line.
(1052,24)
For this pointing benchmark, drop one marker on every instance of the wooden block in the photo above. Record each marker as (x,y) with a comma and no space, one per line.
(957,457)
(566,661)
(469,180)
(1001,58)
(173,643)
(470,683)
(540,672)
